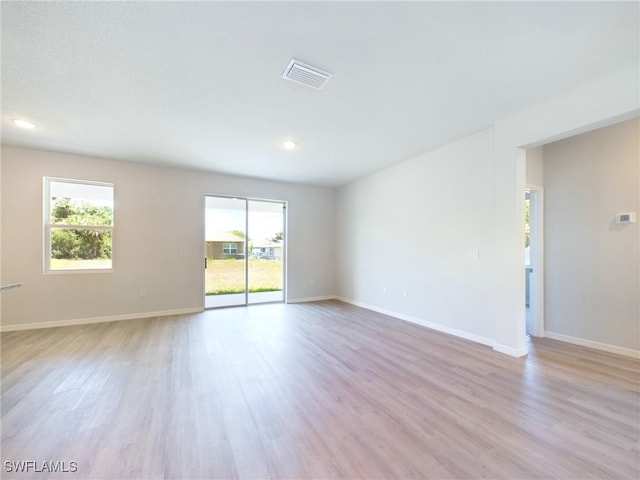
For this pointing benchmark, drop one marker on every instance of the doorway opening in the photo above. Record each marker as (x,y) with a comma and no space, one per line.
(244,251)
(534,261)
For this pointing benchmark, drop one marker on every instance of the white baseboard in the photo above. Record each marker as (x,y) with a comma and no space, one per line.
(627,352)
(107,318)
(434,326)
(311,299)
(513,352)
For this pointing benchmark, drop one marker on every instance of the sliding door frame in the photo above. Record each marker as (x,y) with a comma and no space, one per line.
(285,249)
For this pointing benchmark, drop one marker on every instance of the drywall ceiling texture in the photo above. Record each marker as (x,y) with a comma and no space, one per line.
(197,84)
(158,239)
(592,264)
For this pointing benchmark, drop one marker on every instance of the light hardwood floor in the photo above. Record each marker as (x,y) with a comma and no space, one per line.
(319,390)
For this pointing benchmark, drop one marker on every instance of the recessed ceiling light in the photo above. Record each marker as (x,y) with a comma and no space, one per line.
(23,124)
(289,144)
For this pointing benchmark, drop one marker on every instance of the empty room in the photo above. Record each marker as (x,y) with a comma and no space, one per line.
(320,240)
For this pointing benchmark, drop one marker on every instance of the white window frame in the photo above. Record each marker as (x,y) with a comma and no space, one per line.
(49,227)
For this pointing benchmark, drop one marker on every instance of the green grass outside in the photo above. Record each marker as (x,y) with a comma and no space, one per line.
(227,276)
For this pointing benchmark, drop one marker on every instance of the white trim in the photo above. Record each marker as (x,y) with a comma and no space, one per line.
(627,352)
(513,352)
(48,227)
(311,299)
(76,270)
(419,321)
(107,318)
(79,181)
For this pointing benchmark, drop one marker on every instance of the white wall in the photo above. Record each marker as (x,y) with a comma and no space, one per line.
(159,217)
(410,227)
(591,264)
(428,195)
(535,166)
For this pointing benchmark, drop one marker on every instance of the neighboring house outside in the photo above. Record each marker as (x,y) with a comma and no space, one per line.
(266,249)
(223,245)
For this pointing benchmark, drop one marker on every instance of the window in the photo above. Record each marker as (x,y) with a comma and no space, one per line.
(78,225)
(230,248)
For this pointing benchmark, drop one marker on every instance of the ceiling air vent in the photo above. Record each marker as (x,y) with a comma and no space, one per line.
(305,74)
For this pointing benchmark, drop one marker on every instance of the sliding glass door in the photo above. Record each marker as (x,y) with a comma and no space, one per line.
(225,246)
(244,251)
(265,280)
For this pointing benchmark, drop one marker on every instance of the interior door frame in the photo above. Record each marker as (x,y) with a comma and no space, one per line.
(536,286)
(246,246)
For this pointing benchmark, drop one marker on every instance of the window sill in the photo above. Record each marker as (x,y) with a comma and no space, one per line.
(78,271)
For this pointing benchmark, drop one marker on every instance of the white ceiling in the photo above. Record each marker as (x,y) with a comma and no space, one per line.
(198,84)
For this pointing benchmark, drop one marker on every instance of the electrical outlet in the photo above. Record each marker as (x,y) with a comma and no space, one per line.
(473,254)
(142,292)
(405,294)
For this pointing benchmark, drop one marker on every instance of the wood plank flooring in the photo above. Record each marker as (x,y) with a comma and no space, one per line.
(318,390)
